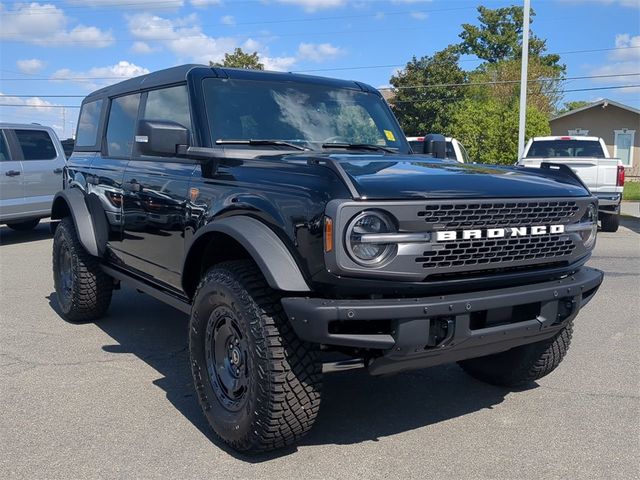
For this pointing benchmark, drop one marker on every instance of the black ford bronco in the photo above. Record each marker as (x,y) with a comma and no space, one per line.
(288,216)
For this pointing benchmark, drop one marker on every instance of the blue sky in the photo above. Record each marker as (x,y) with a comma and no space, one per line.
(71,47)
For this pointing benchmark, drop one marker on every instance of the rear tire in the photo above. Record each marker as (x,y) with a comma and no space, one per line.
(258,384)
(610,223)
(83,289)
(24,226)
(521,365)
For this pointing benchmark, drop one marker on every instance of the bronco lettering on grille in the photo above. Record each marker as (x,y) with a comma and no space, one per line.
(448,235)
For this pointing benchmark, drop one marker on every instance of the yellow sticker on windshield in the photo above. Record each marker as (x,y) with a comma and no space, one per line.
(389,135)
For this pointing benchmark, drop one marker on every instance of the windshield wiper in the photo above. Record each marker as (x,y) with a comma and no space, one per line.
(358,146)
(279,143)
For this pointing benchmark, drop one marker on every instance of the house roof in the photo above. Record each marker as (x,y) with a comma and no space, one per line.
(604,101)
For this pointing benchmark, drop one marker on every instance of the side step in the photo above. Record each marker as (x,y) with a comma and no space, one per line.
(150,289)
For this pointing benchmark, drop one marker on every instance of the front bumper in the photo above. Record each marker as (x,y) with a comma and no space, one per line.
(478,323)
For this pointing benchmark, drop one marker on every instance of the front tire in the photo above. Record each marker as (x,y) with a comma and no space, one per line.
(257,383)
(521,365)
(25,225)
(83,289)
(610,223)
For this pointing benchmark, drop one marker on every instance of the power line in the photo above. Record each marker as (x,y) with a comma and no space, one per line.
(468,84)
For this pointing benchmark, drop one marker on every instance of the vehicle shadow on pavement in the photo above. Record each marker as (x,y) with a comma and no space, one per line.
(632,223)
(356,407)
(11,237)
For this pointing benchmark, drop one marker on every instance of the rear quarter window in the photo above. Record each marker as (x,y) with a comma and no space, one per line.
(87,134)
(36,145)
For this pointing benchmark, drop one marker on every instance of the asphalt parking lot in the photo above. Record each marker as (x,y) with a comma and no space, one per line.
(115,400)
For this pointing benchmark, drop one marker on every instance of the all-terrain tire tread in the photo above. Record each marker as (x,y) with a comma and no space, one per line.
(92,288)
(610,223)
(292,380)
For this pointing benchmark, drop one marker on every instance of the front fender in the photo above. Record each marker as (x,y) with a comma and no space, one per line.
(72,202)
(269,252)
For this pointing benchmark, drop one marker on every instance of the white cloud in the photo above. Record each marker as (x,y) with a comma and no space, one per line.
(97,77)
(623,3)
(315,5)
(419,15)
(228,20)
(205,3)
(318,52)
(47,25)
(623,61)
(629,47)
(142,48)
(30,66)
(128,3)
(37,103)
(280,64)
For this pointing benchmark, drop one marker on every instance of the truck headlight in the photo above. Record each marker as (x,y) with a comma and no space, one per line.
(590,220)
(361,242)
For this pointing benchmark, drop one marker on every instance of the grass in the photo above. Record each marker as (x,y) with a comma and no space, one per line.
(631,191)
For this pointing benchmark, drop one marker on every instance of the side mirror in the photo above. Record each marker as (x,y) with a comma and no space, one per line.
(160,138)
(435,145)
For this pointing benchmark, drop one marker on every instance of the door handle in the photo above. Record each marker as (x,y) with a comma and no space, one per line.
(12,173)
(132,186)
(57,170)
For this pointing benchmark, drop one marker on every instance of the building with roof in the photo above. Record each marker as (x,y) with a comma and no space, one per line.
(617,124)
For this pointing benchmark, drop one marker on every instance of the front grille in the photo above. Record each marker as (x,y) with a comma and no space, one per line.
(498,214)
(492,252)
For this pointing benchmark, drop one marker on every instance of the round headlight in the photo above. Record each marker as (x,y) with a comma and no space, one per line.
(361,249)
(590,217)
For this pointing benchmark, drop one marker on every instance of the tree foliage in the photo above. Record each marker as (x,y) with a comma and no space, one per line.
(240,59)
(429,107)
(499,37)
(567,107)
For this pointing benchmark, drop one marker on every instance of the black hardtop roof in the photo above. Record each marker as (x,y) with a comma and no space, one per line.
(179,74)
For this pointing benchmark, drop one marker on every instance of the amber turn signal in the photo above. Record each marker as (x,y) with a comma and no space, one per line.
(328,234)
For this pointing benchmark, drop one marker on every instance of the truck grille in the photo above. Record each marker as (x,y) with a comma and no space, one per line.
(493,252)
(498,214)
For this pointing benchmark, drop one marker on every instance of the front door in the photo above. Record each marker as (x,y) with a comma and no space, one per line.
(156,193)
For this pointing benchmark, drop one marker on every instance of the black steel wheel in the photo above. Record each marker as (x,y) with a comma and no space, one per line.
(82,288)
(258,384)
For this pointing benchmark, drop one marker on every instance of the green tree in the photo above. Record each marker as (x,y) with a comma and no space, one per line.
(240,59)
(420,102)
(499,37)
(567,107)
(488,128)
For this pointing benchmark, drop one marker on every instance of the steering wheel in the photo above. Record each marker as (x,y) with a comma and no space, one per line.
(336,139)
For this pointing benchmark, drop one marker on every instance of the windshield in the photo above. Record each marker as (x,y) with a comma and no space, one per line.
(565,148)
(308,115)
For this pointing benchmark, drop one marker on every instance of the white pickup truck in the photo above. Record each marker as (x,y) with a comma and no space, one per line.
(589,159)
(454,149)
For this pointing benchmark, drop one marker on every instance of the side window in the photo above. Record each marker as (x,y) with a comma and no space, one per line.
(36,145)
(4,149)
(121,126)
(169,104)
(87,135)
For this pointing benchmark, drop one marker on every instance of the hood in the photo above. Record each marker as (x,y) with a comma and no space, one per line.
(416,176)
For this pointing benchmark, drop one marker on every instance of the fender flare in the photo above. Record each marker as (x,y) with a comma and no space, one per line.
(269,252)
(75,203)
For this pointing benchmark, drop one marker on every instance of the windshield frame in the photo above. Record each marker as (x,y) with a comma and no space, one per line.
(400,145)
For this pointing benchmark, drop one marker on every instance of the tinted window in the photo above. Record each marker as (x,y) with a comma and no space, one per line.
(36,145)
(449,151)
(4,150)
(87,134)
(169,104)
(416,145)
(565,148)
(303,113)
(121,126)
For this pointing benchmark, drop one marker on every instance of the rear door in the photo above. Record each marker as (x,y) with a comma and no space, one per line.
(156,195)
(11,196)
(42,166)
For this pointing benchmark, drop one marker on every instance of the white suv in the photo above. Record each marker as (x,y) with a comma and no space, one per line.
(31,166)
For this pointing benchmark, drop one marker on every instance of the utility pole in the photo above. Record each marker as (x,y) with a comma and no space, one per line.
(523,77)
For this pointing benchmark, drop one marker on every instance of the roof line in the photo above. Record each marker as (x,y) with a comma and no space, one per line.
(595,104)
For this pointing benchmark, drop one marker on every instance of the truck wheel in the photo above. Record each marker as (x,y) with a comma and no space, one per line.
(257,383)
(610,223)
(24,226)
(521,365)
(83,289)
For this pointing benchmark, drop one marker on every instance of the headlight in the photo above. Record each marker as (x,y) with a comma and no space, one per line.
(361,242)
(590,219)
